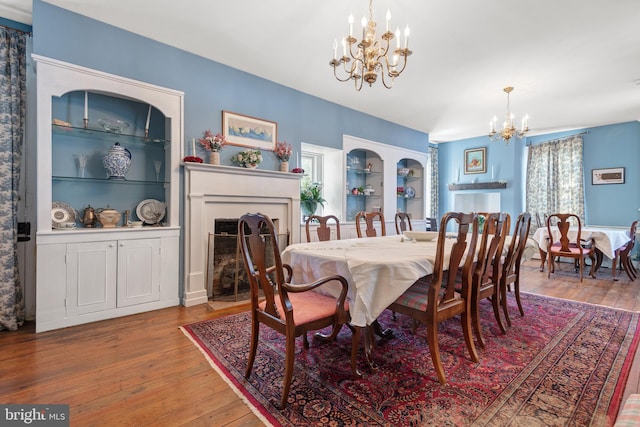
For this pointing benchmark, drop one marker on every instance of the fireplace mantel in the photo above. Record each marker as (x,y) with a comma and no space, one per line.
(216,191)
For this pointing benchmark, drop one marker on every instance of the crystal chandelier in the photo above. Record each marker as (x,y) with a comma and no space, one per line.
(367,58)
(508,129)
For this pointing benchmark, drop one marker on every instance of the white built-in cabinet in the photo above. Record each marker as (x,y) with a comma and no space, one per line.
(85,274)
(374,166)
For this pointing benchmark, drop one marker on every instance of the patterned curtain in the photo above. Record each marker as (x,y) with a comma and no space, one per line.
(432,171)
(555,178)
(13,91)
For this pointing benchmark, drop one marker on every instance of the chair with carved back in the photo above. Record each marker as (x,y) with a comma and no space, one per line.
(370,219)
(578,249)
(511,264)
(290,309)
(432,224)
(488,268)
(623,255)
(403,222)
(433,299)
(323,229)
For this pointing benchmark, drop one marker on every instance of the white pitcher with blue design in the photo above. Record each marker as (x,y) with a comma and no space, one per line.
(117,161)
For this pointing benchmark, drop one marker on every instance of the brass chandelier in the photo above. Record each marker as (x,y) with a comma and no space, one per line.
(508,129)
(362,62)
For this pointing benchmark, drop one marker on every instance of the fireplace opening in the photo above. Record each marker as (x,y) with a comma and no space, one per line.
(226,275)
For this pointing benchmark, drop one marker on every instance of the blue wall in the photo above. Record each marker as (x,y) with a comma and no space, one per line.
(209,87)
(616,145)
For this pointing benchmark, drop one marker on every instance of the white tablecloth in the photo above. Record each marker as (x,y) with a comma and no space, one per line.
(607,240)
(378,269)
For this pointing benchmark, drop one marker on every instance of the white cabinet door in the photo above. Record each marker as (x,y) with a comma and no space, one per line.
(138,271)
(91,277)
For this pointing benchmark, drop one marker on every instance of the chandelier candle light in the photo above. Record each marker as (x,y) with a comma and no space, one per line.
(371,56)
(508,129)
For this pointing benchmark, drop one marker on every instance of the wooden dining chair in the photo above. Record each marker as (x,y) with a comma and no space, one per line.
(563,247)
(370,219)
(434,298)
(290,309)
(488,268)
(511,264)
(623,253)
(432,224)
(323,229)
(403,222)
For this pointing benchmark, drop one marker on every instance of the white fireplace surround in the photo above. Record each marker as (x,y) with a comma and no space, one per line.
(213,192)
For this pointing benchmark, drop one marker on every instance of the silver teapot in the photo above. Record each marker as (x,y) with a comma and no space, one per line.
(117,161)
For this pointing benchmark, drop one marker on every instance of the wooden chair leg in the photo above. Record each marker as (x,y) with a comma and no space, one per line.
(465,320)
(495,302)
(288,369)
(503,302)
(253,346)
(614,264)
(516,291)
(355,344)
(305,340)
(434,349)
(475,318)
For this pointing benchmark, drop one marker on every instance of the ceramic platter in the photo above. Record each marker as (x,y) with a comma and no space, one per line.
(421,236)
(410,192)
(61,213)
(151,211)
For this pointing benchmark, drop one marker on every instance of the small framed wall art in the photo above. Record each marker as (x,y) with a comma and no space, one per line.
(475,160)
(247,131)
(607,176)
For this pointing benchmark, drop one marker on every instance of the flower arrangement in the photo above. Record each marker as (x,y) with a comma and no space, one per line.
(248,158)
(212,142)
(311,197)
(312,193)
(283,150)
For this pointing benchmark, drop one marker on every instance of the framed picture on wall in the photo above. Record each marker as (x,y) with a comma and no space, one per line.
(607,176)
(475,160)
(247,131)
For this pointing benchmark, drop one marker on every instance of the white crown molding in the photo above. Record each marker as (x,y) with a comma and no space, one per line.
(17,10)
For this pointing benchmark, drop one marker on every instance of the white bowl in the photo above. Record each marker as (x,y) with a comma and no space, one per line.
(403,171)
(421,236)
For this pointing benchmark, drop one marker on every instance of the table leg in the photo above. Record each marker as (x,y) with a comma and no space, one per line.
(368,344)
(382,333)
(543,257)
(599,257)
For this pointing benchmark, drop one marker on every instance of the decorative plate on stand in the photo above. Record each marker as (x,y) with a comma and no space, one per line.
(410,192)
(61,213)
(151,211)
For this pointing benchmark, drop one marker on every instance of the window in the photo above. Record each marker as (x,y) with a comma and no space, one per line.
(325,166)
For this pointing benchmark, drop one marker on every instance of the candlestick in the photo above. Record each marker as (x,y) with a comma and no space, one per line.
(458,180)
(86,109)
(193,147)
(492,173)
(146,126)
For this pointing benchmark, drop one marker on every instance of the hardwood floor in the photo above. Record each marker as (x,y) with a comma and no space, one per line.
(142,370)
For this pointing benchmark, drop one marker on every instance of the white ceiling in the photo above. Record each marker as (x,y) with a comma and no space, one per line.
(573,63)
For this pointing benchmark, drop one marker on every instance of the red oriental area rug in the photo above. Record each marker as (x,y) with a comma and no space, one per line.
(562,364)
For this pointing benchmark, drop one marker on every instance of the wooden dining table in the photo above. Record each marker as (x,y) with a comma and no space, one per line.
(605,239)
(377,269)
